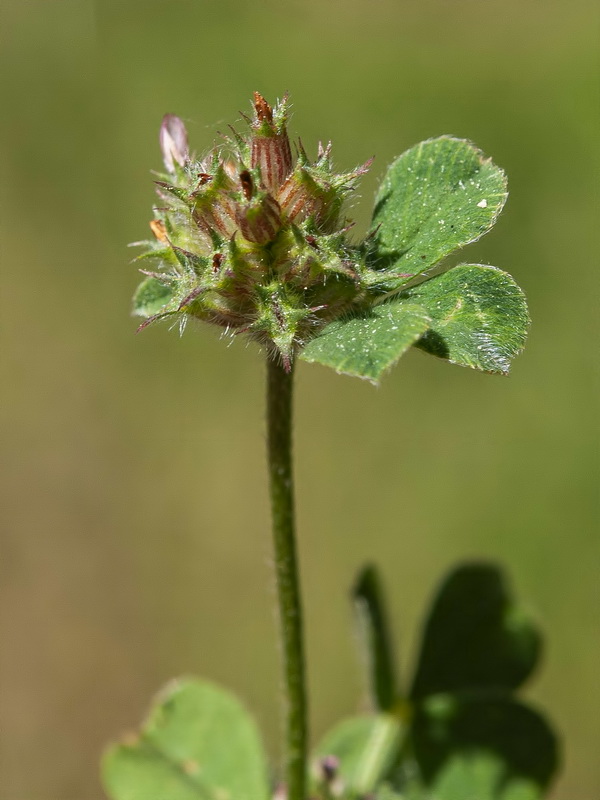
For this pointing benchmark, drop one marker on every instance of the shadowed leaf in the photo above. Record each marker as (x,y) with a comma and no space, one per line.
(475,636)
(488,748)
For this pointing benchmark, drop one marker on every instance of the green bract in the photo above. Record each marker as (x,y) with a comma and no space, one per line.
(255,241)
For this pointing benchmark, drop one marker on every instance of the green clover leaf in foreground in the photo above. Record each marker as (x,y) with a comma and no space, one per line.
(256,242)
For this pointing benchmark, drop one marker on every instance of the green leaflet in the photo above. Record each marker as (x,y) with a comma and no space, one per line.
(479,317)
(367,596)
(485,747)
(476,636)
(472,315)
(435,198)
(366,748)
(150,297)
(366,345)
(198,743)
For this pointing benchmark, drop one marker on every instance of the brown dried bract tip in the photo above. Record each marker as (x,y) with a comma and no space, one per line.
(264,112)
(158,229)
(247,184)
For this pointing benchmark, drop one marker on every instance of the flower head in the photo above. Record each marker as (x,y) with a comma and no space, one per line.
(251,238)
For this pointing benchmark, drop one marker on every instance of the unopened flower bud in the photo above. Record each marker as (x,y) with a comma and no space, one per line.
(218,214)
(259,219)
(214,207)
(270,150)
(173,141)
(301,197)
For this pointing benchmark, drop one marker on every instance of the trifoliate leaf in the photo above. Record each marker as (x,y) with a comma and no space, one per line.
(489,748)
(366,747)
(476,636)
(479,317)
(151,297)
(366,345)
(435,198)
(199,743)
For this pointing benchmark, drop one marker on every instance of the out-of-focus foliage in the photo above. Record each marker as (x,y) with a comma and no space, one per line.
(197,744)
(129,463)
(460,732)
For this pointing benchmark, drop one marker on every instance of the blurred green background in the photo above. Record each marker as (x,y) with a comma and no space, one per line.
(135,520)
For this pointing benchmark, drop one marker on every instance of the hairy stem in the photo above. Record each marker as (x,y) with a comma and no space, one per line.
(279,421)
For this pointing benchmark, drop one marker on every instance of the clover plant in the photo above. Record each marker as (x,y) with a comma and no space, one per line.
(253,237)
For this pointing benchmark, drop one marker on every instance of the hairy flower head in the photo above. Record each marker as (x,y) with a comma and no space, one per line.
(252,237)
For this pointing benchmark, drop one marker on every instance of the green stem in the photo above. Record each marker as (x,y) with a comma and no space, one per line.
(279,421)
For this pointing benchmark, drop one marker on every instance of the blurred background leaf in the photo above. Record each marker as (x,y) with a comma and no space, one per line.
(476,636)
(198,743)
(493,748)
(376,644)
(135,518)
(365,748)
